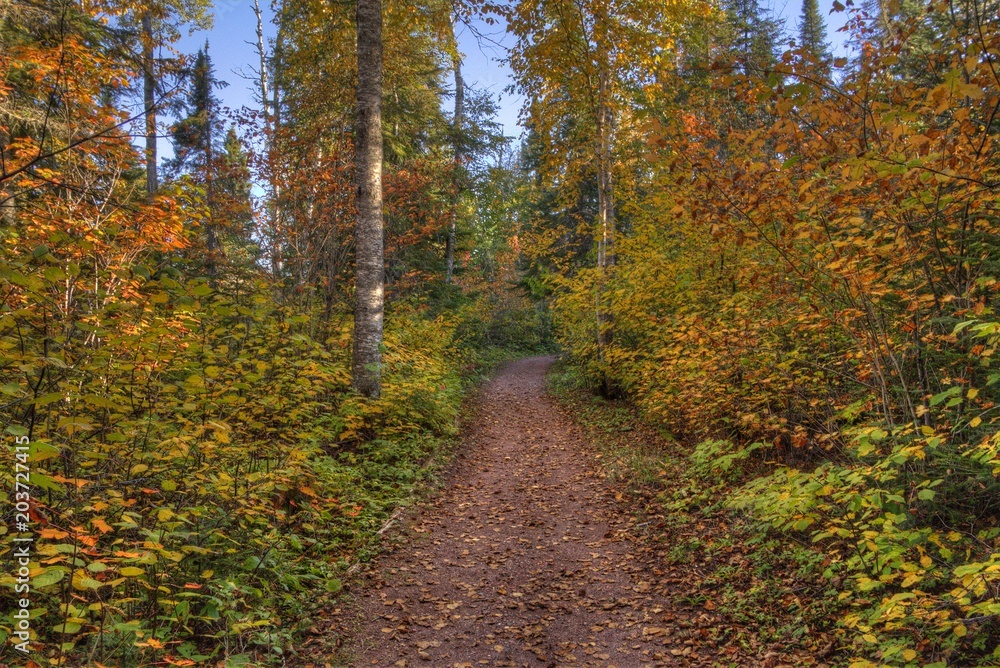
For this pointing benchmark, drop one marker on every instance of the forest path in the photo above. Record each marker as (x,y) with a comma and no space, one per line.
(524,559)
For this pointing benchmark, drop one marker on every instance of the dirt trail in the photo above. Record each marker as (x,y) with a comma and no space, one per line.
(522,561)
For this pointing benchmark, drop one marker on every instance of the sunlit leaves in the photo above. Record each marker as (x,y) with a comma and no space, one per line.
(811,268)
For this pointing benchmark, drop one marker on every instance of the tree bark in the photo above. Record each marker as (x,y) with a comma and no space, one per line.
(278,240)
(149,103)
(368,312)
(265,97)
(212,234)
(6,196)
(270,136)
(459,166)
(606,215)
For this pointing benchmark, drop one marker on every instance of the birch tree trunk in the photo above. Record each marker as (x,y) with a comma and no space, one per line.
(459,166)
(277,256)
(265,96)
(270,137)
(149,103)
(367,361)
(606,215)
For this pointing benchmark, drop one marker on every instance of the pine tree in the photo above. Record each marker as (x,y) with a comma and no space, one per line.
(192,135)
(232,197)
(194,141)
(154,24)
(754,35)
(812,32)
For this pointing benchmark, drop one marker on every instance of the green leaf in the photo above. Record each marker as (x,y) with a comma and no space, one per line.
(39,451)
(67,627)
(950,392)
(962,325)
(45,482)
(48,578)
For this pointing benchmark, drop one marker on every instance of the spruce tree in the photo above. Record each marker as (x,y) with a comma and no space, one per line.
(194,142)
(192,136)
(753,35)
(812,32)
(233,185)
(152,25)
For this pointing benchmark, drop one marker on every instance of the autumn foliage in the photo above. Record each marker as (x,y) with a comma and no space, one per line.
(788,261)
(806,290)
(202,476)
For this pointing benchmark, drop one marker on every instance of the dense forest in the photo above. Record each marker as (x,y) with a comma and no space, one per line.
(223,370)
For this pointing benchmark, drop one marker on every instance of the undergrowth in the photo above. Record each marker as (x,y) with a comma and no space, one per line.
(202,480)
(776,594)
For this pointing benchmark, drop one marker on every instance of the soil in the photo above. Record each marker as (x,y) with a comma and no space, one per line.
(526,558)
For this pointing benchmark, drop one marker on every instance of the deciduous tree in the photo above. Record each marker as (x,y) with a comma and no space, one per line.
(369,282)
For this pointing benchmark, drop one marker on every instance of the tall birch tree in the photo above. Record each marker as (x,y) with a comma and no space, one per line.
(370,295)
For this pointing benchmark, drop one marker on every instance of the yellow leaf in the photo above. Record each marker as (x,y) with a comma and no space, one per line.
(131,571)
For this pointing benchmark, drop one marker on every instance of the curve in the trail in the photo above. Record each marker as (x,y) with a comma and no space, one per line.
(522,561)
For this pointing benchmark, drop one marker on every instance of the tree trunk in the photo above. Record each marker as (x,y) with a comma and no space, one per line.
(606,216)
(149,103)
(265,97)
(277,256)
(459,166)
(270,132)
(212,234)
(6,196)
(7,210)
(367,362)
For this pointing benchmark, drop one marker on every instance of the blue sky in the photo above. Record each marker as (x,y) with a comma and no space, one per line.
(231,44)
(232,39)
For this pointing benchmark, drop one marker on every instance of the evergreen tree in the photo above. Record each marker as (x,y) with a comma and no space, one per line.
(753,36)
(152,25)
(194,142)
(812,32)
(192,135)
(232,202)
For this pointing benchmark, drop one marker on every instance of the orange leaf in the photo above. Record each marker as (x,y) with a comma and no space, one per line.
(53,533)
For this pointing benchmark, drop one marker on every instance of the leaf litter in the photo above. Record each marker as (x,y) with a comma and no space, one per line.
(529,557)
